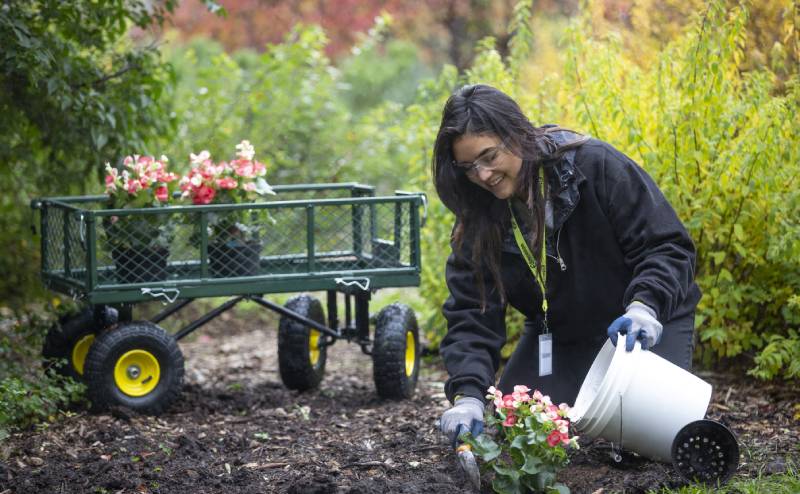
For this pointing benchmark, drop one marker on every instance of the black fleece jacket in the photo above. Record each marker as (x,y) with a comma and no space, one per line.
(614,239)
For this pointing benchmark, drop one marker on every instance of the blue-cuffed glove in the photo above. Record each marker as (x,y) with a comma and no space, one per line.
(638,323)
(465,415)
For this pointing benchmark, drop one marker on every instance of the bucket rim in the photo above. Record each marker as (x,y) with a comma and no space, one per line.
(615,382)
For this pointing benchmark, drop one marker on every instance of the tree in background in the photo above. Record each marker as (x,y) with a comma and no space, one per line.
(76,92)
(444,31)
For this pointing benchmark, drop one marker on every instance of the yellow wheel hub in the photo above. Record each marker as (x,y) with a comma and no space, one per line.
(137,373)
(313,346)
(410,353)
(79,351)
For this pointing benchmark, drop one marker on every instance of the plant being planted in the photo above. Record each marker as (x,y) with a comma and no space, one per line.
(235,236)
(139,243)
(531,441)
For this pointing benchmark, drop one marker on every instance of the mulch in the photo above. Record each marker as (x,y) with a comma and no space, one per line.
(237,429)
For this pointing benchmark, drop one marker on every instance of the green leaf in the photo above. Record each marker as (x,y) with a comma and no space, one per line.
(486,448)
(532,464)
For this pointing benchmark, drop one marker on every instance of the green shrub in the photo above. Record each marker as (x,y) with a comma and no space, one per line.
(722,144)
(28,393)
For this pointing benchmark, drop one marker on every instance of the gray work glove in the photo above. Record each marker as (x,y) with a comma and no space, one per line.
(466,414)
(638,323)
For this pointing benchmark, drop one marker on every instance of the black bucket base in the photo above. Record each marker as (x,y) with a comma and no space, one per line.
(705,451)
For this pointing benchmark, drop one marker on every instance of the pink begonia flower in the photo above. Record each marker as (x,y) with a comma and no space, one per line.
(553,438)
(495,394)
(249,186)
(227,183)
(261,169)
(552,412)
(510,420)
(564,438)
(162,194)
(537,395)
(111,184)
(244,168)
(127,161)
(521,397)
(167,177)
(204,195)
(508,402)
(132,187)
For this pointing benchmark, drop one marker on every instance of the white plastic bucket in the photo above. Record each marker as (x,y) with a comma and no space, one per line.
(638,400)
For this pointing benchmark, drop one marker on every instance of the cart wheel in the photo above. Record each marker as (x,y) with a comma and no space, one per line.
(395,353)
(70,338)
(136,365)
(301,358)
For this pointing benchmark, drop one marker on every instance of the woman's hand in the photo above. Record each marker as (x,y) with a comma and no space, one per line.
(466,415)
(638,323)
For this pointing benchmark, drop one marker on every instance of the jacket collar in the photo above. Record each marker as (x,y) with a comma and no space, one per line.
(564,181)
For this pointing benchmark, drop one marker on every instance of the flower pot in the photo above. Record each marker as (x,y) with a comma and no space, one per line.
(234,258)
(141,265)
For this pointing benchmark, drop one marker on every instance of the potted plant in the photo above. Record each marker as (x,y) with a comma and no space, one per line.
(139,243)
(234,236)
(528,441)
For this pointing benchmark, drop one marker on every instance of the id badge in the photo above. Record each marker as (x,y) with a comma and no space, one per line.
(545,354)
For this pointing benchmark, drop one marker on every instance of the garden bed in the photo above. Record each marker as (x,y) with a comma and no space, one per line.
(237,429)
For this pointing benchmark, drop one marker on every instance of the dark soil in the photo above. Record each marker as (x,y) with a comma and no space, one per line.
(237,429)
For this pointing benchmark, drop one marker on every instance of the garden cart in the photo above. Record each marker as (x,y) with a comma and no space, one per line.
(340,239)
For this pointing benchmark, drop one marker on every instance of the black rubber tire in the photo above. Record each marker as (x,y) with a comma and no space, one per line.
(294,358)
(62,337)
(392,326)
(110,345)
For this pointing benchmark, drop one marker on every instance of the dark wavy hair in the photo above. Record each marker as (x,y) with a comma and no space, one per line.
(481,218)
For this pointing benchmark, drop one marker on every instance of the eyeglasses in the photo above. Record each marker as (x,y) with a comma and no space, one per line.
(485,161)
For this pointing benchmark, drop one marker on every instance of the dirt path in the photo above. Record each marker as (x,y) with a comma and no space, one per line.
(237,429)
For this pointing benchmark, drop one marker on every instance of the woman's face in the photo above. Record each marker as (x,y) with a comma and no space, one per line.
(487,163)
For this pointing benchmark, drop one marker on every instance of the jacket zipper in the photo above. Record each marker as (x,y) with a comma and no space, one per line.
(558,259)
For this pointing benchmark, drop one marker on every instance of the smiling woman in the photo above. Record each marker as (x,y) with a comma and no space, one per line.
(566,229)
(486,162)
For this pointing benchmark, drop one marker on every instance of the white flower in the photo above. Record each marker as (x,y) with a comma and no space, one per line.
(246,150)
(197,159)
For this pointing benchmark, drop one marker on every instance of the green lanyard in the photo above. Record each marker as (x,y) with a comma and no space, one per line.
(541,276)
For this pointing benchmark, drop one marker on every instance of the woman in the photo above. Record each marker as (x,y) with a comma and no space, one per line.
(616,257)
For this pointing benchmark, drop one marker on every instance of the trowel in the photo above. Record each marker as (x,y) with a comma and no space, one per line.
(465,456)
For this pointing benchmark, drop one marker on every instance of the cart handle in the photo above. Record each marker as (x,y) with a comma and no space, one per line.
(161,292)
(353,281)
